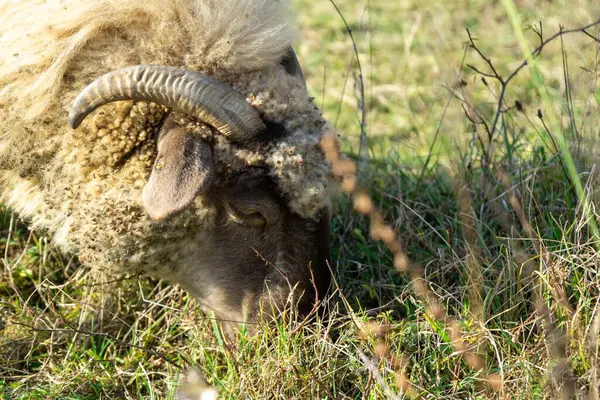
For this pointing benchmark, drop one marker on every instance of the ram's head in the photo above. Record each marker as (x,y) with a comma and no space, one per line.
(258,249)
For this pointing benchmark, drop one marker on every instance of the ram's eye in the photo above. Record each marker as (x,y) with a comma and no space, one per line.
(246,215)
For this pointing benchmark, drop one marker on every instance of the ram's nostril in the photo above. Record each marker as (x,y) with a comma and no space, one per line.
(274,131)
(291,64)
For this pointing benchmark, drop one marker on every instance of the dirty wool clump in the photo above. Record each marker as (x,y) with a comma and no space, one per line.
(84,186)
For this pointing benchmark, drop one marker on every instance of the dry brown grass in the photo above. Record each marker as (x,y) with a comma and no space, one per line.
(459,274)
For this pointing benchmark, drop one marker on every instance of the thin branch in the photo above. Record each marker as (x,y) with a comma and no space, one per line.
(363,117)
(486,59)
(534,54)
(480,72)
(585,32)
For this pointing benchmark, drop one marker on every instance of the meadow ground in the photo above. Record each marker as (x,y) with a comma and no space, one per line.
(494,206)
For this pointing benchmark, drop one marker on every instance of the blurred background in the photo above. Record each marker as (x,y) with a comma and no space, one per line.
(494,203)
(412,51)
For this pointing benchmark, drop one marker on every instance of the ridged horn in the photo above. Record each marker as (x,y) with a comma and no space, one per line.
(189,92)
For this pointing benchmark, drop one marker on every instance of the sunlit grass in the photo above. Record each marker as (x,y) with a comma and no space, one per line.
(69,333)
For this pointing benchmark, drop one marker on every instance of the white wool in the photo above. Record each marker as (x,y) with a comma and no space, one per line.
(64,180)
(45,37)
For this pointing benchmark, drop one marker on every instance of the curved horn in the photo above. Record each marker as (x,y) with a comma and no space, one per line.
(190,92)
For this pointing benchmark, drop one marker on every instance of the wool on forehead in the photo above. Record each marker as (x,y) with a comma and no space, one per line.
(52,49)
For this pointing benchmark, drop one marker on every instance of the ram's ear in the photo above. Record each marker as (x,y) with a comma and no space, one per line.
(183,168)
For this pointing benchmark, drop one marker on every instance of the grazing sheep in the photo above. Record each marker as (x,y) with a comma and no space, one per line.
(175,138)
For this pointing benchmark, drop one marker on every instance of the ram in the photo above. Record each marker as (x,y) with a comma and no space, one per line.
(173,138)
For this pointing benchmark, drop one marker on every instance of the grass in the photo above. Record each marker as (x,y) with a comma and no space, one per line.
(499,228)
